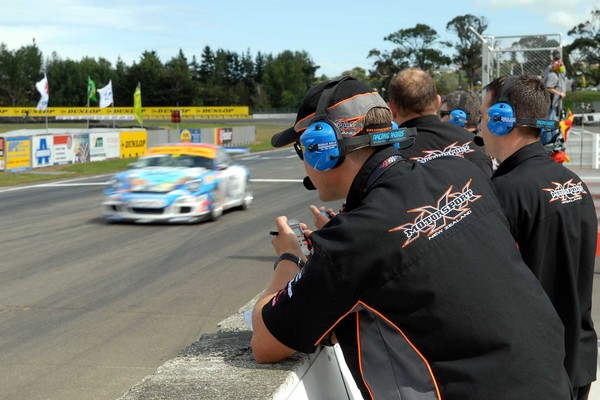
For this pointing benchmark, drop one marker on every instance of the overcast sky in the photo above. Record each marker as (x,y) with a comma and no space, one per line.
(338,35)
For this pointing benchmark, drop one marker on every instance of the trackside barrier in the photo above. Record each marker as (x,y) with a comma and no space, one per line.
(26,149)
(220,366)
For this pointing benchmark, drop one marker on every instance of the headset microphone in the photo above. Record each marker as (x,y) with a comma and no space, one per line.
(478,140)
(308,184)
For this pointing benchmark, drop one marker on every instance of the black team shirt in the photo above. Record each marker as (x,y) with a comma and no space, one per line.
(425,290)
(553,220)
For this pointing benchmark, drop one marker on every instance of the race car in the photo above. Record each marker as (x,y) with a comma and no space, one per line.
(178,183)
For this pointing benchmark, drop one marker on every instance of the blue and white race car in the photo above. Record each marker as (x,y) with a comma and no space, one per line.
(183,182)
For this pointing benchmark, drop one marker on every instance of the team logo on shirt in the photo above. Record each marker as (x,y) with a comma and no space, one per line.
(453,150)
(450,209)
(566,192)
(278,297)
(288,291)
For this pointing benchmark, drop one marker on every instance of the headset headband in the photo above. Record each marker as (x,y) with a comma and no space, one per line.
(376,139)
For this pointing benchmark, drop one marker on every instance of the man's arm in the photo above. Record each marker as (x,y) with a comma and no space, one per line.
(556,91)
(265,348)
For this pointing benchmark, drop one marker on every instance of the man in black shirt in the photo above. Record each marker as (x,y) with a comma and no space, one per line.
(550,211)
(415,103)
(417,279)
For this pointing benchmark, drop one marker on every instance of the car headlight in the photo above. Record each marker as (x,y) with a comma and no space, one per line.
(182,200)
(113,184)
(116,198)
(193,185)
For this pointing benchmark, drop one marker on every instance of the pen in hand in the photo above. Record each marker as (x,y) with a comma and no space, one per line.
(273,233)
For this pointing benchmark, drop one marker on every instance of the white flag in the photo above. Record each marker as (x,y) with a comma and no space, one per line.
(42,87)
(106,95)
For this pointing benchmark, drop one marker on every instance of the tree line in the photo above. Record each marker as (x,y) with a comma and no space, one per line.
(266,82)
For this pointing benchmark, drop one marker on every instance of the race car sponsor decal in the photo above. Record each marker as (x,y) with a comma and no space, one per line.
(451,208)
(453,150)
(566,192)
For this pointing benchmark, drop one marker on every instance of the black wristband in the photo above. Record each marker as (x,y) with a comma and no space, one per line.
(290,257)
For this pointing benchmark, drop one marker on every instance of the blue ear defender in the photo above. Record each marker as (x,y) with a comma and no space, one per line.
(320,146)
(458,117)
(501,118)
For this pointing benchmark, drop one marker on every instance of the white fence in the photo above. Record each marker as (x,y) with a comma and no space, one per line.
(583,147)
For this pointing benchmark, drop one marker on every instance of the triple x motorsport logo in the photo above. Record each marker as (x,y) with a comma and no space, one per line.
(452,150)
(566,192)
(451,208)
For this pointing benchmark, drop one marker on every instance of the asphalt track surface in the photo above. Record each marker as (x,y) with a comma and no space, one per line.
(87,309)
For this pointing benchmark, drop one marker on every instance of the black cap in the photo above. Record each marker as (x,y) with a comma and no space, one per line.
(349,103)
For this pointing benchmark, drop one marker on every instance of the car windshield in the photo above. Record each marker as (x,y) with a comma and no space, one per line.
(175,160)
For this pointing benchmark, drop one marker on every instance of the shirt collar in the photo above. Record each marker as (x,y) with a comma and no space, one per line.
(423,119)
(355,194)
(531,150)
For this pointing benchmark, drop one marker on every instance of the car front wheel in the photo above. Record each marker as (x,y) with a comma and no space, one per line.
(248,196)
(216,208)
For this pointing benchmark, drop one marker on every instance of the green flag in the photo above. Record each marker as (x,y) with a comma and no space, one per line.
(137,105)
(91,89)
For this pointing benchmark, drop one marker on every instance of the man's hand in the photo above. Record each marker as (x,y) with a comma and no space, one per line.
(321,215)
(285,241)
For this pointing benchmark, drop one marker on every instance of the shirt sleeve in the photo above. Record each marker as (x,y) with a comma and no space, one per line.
(310,304)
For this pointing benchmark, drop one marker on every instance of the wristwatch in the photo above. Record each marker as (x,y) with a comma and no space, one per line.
(290,257)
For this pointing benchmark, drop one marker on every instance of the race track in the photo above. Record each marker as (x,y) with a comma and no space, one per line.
(87,309)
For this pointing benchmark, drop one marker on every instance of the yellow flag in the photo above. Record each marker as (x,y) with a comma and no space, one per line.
(137,105)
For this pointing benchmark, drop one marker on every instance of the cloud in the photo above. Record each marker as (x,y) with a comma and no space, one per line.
(564,19)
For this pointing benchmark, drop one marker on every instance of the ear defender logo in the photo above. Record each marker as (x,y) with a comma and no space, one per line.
(453,150)
(451,208)
(567,192)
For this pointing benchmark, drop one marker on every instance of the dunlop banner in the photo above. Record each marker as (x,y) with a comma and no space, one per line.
(147,112)
(133,143)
